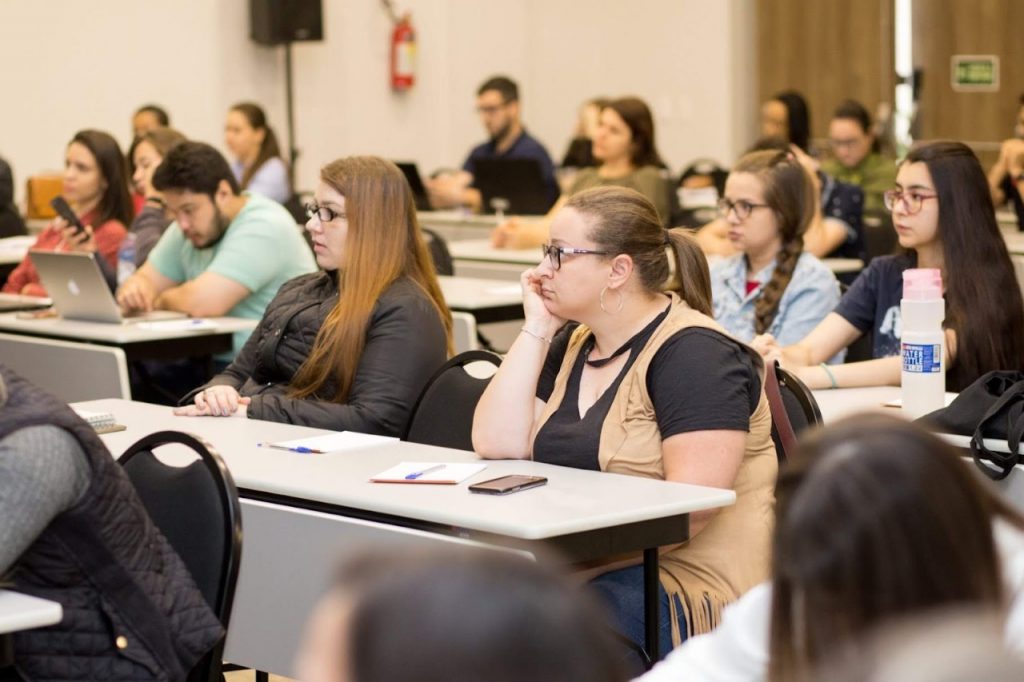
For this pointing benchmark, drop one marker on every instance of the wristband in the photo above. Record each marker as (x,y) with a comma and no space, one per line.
(536,336)
(831,376)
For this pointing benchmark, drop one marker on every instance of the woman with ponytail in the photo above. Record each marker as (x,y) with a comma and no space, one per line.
(348,348)
(258,165)
(771,285)
(642,382)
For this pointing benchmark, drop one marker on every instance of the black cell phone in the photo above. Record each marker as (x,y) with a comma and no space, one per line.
(64,211)
(507,484)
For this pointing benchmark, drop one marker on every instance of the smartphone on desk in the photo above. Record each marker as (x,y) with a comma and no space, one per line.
(507,484)
(64,211)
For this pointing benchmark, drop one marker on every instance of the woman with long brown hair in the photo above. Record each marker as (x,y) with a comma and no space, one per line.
(943,215)
(624,145)
(772,284)
(349,347)
(647,384)
(877,520)
(258,165)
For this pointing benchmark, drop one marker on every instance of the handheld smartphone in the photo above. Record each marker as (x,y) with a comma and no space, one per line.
(64,211)
(507,484)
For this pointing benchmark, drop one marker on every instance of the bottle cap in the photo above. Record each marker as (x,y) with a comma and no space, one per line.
(922,284)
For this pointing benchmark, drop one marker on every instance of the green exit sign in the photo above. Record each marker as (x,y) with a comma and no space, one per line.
(975,72)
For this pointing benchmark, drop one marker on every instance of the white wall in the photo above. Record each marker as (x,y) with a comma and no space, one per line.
(93,63)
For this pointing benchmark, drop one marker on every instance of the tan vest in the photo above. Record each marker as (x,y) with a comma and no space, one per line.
(731,554)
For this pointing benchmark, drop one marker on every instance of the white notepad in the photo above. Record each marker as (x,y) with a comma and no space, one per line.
(430,472)
(192,324)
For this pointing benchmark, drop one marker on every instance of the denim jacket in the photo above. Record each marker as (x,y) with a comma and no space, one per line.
(811,295)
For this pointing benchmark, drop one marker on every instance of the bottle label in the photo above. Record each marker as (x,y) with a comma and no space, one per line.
(922,358)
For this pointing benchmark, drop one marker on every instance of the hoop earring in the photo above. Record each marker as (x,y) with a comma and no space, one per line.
(601,301)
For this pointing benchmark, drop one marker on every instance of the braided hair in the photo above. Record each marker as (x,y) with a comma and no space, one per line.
(789,193)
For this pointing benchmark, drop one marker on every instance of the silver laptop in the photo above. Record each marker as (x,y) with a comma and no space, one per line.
(79,291)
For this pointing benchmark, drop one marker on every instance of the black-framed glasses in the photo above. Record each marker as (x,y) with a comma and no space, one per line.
(554,253)
(741,207)
(912,200)
(325,214)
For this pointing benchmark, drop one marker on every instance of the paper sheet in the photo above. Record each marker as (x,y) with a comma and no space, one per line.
(335,442)
(449,473)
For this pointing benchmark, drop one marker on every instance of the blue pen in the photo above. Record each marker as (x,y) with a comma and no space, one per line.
(299,448)
(416,474)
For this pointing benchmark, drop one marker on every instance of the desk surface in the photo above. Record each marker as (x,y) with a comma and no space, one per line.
(22,612)
(475,293)
(107,333)
(13,249)
(573,501)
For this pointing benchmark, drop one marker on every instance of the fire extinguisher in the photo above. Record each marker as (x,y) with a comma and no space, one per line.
(403,55)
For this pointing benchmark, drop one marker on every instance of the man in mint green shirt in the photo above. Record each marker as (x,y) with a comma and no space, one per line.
(226,253)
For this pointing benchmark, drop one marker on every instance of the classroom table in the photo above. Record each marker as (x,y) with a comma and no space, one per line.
(488,300)
(842,402)
(23,612)
(457,225)
(137,343)
(478,258)
(301,511)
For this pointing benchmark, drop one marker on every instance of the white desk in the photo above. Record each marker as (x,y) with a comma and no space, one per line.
(458,225)
(301,512)
(23,612)
(477,257)
(843,402)
(489,300)
(138,344)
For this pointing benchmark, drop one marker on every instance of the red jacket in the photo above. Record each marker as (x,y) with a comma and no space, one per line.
(25,280)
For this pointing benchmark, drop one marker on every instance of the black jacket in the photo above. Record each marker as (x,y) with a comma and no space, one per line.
(131,609)
(405,345)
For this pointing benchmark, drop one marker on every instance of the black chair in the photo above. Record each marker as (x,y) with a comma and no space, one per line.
(443,414)
(800,406)
(196,508)
(879,234)
(863,347)
(439,252)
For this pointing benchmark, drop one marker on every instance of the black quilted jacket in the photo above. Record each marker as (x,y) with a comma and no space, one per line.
(405,345)
(131,609)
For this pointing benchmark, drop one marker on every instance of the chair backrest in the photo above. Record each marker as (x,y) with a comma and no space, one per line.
(439,252)
(69,370)
(800,410)
(879,234)
(863,347)
(464,335)
(197,509)
(443,414)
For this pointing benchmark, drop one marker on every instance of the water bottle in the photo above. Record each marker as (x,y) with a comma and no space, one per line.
(126,259)
(922,342)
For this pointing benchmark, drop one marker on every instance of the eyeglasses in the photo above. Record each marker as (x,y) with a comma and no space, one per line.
(742,208)
(912,201)
(325,214)
(554,253)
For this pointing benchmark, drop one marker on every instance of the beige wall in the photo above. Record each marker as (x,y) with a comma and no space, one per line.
(70,64)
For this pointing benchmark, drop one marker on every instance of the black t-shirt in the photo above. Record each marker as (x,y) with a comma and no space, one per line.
(698,380)
(1009,188)
(845,202)
(873,302)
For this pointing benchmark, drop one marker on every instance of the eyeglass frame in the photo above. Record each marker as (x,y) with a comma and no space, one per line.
(891,196)
(554,254)
(724,206)
(315,209)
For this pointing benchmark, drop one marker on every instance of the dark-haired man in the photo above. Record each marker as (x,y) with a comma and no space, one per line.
(497,103)
(226,253)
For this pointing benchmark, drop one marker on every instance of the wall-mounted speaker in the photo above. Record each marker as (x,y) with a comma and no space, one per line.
(273,22)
